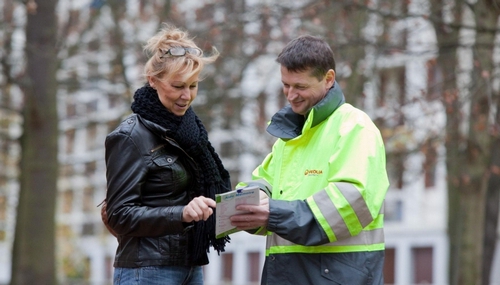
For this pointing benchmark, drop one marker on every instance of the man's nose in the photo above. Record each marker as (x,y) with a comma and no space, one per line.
(291,93)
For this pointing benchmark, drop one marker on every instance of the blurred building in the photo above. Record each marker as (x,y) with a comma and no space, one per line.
(416,204)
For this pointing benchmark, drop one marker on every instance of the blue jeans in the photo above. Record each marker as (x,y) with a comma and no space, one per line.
(158,275)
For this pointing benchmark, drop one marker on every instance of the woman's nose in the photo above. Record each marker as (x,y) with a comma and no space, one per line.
(186,94)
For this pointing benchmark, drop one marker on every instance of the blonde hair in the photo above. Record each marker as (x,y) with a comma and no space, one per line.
(161,67)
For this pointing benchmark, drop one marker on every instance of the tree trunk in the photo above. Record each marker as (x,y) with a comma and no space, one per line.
(487,14)
(491,211)
(447,62)
(33,258)
(468,152)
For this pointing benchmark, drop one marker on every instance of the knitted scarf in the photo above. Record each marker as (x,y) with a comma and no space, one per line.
(189,132)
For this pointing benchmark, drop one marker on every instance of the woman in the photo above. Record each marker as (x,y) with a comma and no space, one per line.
(162,172)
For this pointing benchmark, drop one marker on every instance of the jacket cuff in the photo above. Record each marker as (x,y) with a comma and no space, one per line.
(174,218)
(272,223)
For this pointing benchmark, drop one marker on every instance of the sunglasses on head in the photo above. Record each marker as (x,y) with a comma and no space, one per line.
(181,51)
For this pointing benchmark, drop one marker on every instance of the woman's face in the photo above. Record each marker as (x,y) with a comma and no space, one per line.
(176,93)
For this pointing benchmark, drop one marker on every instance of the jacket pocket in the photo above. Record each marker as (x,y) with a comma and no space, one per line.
(169,170)
(344,268)
(174,246)
(165,160)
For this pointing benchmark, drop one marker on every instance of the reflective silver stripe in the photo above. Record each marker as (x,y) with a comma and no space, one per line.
(364,238)
(332,215)
(357,202)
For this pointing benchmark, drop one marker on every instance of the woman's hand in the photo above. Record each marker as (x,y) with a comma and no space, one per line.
(200,208)
(104,218)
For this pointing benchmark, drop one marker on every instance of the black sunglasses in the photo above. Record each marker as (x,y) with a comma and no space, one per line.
(181,51)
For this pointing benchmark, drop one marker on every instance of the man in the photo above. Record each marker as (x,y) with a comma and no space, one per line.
(325,179)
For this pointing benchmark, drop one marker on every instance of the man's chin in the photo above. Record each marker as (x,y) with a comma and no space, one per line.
(299,111)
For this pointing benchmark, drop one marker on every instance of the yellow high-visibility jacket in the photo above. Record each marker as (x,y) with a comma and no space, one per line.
(326,177)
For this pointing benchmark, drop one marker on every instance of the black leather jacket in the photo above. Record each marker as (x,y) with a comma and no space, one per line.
(149,180)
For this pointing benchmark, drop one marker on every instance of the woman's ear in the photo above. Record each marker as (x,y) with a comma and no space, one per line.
(151,82)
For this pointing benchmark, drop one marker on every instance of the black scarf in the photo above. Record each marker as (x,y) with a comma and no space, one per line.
(188,131)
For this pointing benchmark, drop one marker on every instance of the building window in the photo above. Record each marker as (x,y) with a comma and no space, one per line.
(227,149)
(90,168)
(67,201)
(389,266)
(392,95)
(109,267)
(392,89)
(112,125)
(92,142)
(434,80)
(88,199)
(115,100)
(70,141)
(67,170)
(422,265)
(3,208)
(253,266)
(86,269)
(227,267)
(88,229)
(3,216)
(92,106)
(70,109)
(393,211)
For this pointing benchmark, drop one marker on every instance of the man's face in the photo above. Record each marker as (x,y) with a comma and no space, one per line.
(303,91)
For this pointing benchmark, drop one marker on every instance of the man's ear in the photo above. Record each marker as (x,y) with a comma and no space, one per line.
(330,78)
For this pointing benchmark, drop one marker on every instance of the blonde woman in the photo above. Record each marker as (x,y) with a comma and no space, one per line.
(163,173)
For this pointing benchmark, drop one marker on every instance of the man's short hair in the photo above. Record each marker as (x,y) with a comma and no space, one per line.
(307,52)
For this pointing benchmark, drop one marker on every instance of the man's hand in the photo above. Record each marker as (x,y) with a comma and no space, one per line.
(257,216)
(200,208)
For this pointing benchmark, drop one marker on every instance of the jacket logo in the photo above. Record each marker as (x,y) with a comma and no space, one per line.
(313,172)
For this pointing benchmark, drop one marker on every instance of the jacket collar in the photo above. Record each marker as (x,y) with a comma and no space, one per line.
(286,124)
(156,129)
(152,127)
